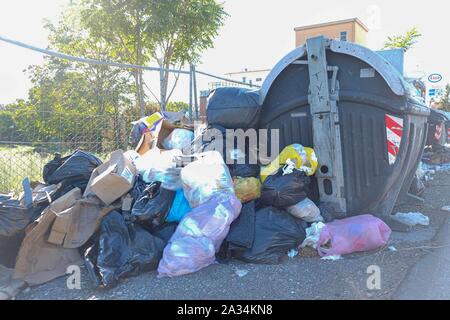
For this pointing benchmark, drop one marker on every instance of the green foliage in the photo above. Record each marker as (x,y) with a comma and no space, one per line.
(181,30)
(445,101)
(404,42)
(85,104)
(177,106)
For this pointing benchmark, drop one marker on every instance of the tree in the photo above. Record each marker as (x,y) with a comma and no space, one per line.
(404,42)
(70,100)
(445,101)
(122,24)
(181,30)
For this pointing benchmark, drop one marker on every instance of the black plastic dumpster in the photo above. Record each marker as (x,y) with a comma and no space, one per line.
(447,126)
(437,133)
(382,127)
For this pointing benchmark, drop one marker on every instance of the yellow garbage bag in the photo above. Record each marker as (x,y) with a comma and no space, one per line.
(304,158)
(247,189)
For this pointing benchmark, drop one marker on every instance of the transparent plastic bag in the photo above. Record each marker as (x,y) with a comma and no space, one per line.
(306,210)
(199,236)
(178,139)
(204,177)
(157,165)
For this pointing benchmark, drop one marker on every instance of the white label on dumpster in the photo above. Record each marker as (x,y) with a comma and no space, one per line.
(367,73)
(394,132)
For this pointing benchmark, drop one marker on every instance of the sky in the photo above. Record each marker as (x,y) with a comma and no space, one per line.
(256,35)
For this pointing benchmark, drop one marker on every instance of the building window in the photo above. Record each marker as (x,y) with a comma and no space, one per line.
(250,81)
(258,79)
(343,36)
(244,79)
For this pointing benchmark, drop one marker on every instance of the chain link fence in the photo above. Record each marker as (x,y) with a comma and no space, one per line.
(29,139)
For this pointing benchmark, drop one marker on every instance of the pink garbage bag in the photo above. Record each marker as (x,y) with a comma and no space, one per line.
(199,236)
(355,234)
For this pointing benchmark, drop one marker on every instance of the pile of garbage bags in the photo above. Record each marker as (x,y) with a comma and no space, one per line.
(173,204)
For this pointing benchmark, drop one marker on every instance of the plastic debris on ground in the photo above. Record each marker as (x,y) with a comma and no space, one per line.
(306,210)
(304,158)
(241,273)
(313,235)
(199,235)
(355,234)
(205,177)
(247,189)
(392,248)
(292,253)
(412,218)
(446,208)
(332,258)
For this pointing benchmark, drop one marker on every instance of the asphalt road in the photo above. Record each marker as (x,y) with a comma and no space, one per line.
(429,279)
(296,278)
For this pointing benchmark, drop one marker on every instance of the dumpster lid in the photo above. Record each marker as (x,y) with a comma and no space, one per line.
(392,77)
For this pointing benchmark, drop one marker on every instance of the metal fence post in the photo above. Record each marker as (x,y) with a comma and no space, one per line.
(190,91)
(194,75)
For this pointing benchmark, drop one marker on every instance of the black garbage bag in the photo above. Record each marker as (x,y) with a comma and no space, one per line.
(14,218)
(417,187)
(74,171)
(244,170)
(165,231)
(241,234)
(234,108)
(122,250)
(275,233)
(282,191)
(242,166)
(52,165)
(153,204)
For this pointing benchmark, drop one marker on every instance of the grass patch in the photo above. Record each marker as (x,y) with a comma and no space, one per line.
(18,162)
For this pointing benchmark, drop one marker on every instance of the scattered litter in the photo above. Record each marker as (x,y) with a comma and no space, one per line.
(392,248)
(332,258)
(241,273)
(308,252)
(292,253)
(413,218)
(446,208)
(312,235)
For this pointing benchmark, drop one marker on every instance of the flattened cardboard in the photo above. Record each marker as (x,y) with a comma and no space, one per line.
(39,261)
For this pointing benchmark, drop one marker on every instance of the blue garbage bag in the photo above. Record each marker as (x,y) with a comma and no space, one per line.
(180,207)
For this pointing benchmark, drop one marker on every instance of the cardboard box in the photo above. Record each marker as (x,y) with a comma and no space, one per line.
(154,139)
(113,179)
